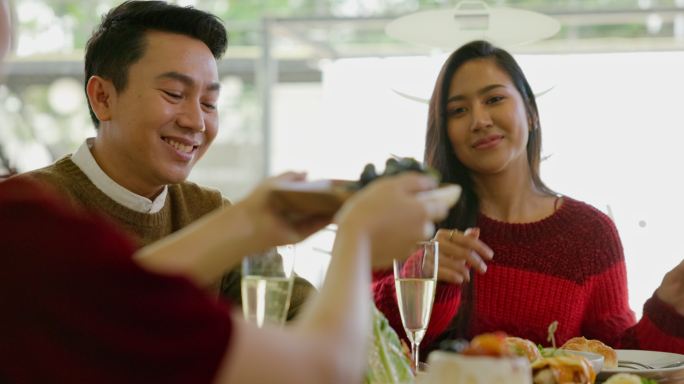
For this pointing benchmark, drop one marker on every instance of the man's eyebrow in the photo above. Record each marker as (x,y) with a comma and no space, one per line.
(186,80)
(479,92)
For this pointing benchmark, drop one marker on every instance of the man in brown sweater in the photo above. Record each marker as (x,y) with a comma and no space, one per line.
(152,86)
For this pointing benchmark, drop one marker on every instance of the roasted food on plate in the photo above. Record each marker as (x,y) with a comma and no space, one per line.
(523,347)
(494,344)
(595,346)
(594,359)
(488,344)
(563,369)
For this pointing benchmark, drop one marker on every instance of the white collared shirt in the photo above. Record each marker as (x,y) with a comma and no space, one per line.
(84,159)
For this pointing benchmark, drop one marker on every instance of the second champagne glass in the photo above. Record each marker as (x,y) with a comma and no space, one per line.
(415,280)
(267,280)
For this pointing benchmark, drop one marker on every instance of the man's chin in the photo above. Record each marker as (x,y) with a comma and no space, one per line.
(176,177)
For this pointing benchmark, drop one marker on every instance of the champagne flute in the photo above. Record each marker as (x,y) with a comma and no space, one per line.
(267,280)
(415,280)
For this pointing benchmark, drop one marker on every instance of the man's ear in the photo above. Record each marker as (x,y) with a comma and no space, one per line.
(101,97)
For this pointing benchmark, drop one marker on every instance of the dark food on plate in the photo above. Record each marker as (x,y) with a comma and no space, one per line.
(595,346)
(563,369)
(393,167)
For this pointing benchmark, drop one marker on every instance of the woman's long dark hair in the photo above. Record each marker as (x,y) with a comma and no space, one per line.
(440,154)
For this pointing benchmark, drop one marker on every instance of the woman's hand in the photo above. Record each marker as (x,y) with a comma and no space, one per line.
(390,214)
(671,290)
(460,251)
(271,225)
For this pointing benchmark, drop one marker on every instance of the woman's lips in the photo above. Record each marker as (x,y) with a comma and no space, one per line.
(488,142)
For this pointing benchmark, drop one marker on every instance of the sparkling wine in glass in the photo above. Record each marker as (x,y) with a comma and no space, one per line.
(415,280)
(266,285)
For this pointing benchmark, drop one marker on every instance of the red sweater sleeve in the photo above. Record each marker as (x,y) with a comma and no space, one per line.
(609,317)
(661,328)
(78,309)
(445,307)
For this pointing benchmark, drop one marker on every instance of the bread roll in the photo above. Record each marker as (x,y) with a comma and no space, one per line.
(595,346)
(523,347)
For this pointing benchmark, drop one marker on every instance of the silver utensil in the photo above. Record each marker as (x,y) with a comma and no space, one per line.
(673,365)
(637,365)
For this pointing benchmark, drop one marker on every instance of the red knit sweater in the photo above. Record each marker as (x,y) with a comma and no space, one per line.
(568,267)
(76,308)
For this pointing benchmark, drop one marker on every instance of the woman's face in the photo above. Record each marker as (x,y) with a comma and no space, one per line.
(486,119)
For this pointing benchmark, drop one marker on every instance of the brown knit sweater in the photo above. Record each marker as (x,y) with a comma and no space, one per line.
(185,203)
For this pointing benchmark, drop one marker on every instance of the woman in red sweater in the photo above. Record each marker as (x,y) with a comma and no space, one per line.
(539,256)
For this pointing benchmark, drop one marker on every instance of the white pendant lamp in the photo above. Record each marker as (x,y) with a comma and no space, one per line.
(469,20)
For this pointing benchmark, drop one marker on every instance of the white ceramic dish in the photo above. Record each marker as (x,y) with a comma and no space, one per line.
(449,367)
(652,358)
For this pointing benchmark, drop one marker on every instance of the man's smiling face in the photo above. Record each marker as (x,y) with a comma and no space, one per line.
(163,121)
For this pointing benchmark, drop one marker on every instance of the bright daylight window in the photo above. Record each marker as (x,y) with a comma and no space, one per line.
(611,127)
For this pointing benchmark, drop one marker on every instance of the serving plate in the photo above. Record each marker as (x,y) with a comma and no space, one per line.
(652,358)
(313,198)
(325,197)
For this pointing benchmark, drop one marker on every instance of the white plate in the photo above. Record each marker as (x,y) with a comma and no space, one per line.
(652,358)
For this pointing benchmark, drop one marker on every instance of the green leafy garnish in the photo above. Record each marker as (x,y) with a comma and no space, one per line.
(387,363)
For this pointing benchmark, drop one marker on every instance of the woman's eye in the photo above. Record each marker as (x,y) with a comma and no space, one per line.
(209,106)
(456,111)
(494,99)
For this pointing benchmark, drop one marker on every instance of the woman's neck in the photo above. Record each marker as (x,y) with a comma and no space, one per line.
(512,197)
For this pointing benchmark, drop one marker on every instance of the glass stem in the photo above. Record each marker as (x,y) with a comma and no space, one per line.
(414,355)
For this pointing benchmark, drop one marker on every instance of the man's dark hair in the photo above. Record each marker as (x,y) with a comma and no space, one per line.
(120,39)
